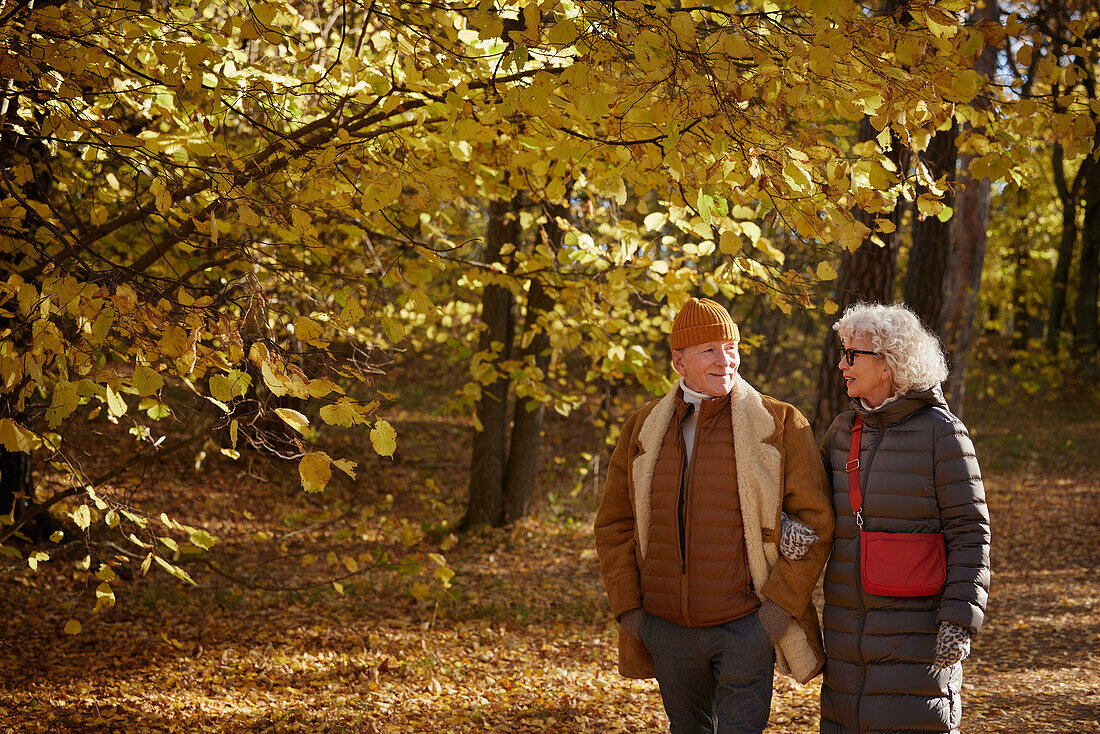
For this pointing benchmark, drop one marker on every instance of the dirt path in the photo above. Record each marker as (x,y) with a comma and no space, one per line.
(1036,665)
(524,644)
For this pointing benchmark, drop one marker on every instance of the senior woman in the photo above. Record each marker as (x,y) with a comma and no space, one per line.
(907,582)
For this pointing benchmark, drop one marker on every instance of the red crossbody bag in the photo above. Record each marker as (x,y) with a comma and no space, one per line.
(893,564)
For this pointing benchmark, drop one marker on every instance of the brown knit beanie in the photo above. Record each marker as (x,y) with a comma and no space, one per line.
(701,320)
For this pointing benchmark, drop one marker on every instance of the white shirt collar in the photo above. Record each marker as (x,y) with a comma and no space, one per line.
(692,396)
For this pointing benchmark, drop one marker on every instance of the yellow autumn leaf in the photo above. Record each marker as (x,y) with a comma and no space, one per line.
(65,401)
(173,342)
(345,465)
(395,330)
(384,438)
(310,331)
(273,379)
(161,194)
(353,313)
(15,438)
(247,216)
(967,85)
(116,406)
(315,470)
(294,419)
(221,388)
(82,516)
(343,413)
(146,380)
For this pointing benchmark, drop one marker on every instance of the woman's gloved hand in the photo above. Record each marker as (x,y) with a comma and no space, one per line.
(794,538)
(952,645)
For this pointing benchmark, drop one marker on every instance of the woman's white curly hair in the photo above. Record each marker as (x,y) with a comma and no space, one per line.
(912,352)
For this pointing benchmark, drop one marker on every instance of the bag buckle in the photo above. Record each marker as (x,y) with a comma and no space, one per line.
(852,465)
(859,519)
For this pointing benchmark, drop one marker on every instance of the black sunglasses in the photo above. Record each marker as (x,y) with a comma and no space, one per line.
(850,354)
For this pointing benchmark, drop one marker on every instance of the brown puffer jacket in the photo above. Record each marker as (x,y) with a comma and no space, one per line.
(778,469)
(919,473)
(696,573)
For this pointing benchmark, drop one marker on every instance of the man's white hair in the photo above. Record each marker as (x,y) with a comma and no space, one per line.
(912,352)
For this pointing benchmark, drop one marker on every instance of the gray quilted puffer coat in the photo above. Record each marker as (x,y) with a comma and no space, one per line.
(918,474)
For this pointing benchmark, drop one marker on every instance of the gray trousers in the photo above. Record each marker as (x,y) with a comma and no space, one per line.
(712,679)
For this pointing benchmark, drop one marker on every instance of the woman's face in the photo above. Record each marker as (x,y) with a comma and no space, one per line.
(867,377)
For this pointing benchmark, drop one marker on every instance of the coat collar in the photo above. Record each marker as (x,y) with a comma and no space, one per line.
(754,430)
(895,411)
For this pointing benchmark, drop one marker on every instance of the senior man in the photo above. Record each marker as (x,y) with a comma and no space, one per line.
(704,487)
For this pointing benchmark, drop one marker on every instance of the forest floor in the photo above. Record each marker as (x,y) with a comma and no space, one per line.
(522,641)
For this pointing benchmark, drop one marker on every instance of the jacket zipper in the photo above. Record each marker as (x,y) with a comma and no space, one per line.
(872,451)
(681,512)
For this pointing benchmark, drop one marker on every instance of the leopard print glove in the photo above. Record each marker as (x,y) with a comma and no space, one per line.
(794,538)
(952,645)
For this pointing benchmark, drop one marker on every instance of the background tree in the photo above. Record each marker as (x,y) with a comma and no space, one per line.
(1053,62)
(963,279)
(253,204)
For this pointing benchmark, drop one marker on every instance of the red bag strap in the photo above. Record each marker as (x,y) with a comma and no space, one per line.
(855,495)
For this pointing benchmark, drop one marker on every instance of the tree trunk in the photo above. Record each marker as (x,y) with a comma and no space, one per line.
(963,279)
(865,275)
(1069,197)
(523,457)
(16,485)
(1088,289)
(924,279)
(16,482)
(968,240)
(490,450)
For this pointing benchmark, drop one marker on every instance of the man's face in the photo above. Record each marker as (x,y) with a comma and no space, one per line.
(709,368)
